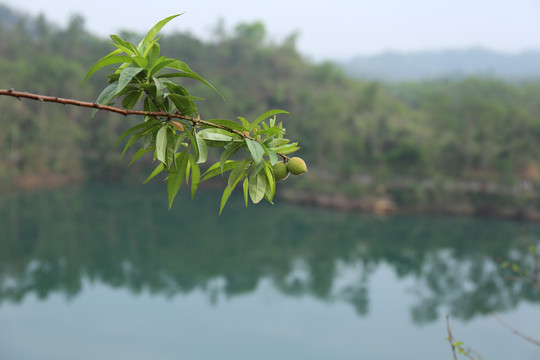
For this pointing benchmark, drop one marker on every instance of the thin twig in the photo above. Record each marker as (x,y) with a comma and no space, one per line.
(158,114)
(468,352)
(450,337)
(518,333)
(536,277)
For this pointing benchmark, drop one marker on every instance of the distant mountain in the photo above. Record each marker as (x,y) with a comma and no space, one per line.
(393,66)
(8,16)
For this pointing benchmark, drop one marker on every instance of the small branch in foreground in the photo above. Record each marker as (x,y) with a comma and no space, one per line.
(518,333)
(469,353)
(159,114)
(532,249)
(450,337)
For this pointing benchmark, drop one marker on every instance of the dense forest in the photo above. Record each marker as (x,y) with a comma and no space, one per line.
(464,146)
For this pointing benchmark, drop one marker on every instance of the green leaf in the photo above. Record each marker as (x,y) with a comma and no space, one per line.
(131,99)
(238,171)
(245,185)
(215,135)
(123,45)
(244,122)
(235,176)
(187,72)
(215,169)
(227,153)
(273,131)
(156,171)
(202,149)
(159,64)
(150,47)
(138,154)
(125,65)
(126,76)
(226,193)
(161,145)
(256,150)
(290,150)
(158,88)
(106,96)
(279,142)
(153,55)
(271,154)
(149,124)
(107,60)
(188,171)
(270,181)
(139,61)
(128,89)
(195,175)
(171,146)
(150,89)
(515,267)
(228,123)
(149,104)
(174,88)
(257,167)
(257,186)
(153,32)
(184,103)
(286,149)
(134,138)
(265,116)
(174,182)
(150,140)
(180,139)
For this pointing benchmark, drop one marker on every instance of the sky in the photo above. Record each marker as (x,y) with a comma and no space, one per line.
(337,29)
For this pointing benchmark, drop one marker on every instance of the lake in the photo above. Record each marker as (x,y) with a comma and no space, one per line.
(105,271)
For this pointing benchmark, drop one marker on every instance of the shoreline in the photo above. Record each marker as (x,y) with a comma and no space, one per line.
(385,204)
(378,204)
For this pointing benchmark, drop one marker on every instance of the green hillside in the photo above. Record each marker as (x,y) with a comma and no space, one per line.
(461,146)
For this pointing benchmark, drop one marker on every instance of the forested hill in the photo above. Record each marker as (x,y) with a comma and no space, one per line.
(468,145)
(449,64)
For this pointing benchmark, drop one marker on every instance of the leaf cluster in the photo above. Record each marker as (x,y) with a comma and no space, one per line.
(173,131)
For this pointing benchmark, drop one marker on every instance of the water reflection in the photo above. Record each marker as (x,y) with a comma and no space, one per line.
(123,236)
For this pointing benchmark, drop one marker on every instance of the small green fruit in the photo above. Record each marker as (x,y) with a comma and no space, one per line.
(296,166)
(280,171)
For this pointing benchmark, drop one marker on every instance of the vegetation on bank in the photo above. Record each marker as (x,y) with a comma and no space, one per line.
(469,143)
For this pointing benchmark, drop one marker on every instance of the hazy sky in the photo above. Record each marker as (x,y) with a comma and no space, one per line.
(328,29)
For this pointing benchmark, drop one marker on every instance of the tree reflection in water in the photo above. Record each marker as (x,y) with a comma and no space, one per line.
(53,241)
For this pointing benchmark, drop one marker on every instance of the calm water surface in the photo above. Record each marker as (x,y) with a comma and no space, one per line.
(106,272)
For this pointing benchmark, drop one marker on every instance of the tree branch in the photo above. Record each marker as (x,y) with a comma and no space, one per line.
(159,114)
(450,337)
(518,333)
(19,95)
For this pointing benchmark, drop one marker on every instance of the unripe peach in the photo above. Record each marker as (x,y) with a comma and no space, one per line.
(296,166)
(280,171)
